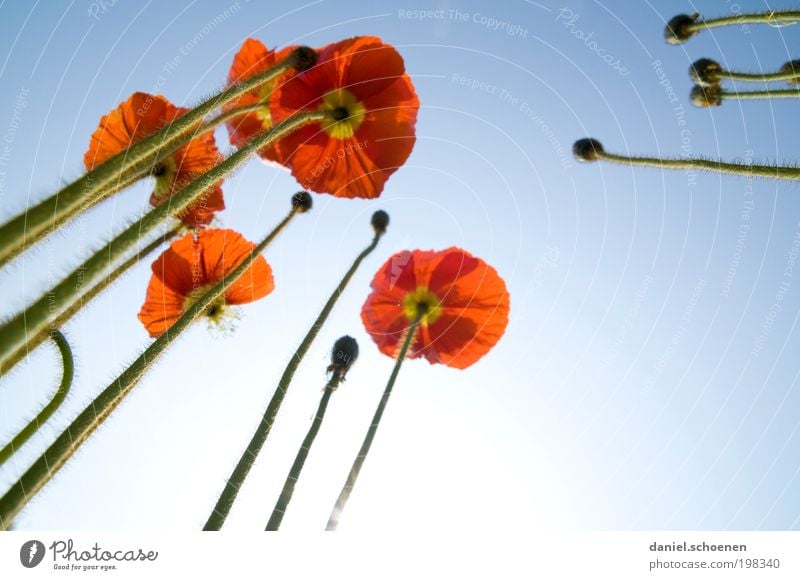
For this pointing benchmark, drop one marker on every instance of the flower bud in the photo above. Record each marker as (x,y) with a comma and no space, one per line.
(706,96)
(793,66)
(343,355)
(587,150)
(304,58)
(302,202)
(705,72)
(679,29)
(380,221)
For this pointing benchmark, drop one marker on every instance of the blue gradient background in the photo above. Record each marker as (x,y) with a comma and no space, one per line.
(629,391)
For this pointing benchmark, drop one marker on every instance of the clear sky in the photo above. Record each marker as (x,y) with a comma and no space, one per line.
(648,375)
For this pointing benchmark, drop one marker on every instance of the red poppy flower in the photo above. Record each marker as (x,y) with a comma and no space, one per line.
(140,116)
(369,132)
(190,266)
(252,59)
(463,301)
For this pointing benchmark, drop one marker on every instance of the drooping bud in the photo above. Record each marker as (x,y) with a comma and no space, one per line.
(705,72)
(587,150)
(302,201)
(304,58)
(679,29)
(706,96)
(793,67)
(343,355)
(380,221)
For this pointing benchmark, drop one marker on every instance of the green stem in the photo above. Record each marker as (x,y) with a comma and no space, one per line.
(747,170)
(38,221)
(102,406)
(68,373)
(13,334)
(780,94)
(225,501)
(34,340)
(771,17)
(352,477)
(759,78)
(302,453)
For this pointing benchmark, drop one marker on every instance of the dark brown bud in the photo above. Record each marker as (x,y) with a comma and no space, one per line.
(706,96)
(679,29)
(343,355)
(587,150)
(705,72)
(380,221)
(304,58)
(793,66)
(302,202)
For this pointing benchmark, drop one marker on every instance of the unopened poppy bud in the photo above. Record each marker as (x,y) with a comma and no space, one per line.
(679,29)
(587,150)
(302,202)
(343,355)
(706,96)
(792,67)
(705,72)
(304,58)
(380,221)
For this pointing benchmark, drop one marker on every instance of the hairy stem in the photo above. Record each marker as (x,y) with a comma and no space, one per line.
(225,501)
(300,459)
(38,221)
(774,17)
(13,334)
(352,477)
(67,374)
(54,458)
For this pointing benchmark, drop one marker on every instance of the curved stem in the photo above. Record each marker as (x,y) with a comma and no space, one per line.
(225,501)
(67,374)
(38,221)
(34,340)
(352,477)
(302,453)
(772,17)
(102,406)
(37,316)
(747,170)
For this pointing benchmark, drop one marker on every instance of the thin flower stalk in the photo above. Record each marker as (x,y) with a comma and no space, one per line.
(77,433)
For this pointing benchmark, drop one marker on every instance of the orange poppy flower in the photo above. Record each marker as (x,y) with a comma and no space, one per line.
(372,111)
(140,116)
(190,266)
(252,59)
(463,301)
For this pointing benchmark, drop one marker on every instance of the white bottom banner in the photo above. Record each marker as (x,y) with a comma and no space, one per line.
(485,554)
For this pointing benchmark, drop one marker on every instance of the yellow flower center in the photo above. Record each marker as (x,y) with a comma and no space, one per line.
(422,301)
(263,114)
(217,312)
(164,172)
(345,114)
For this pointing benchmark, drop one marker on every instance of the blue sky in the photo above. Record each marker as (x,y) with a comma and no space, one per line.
(647,379)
